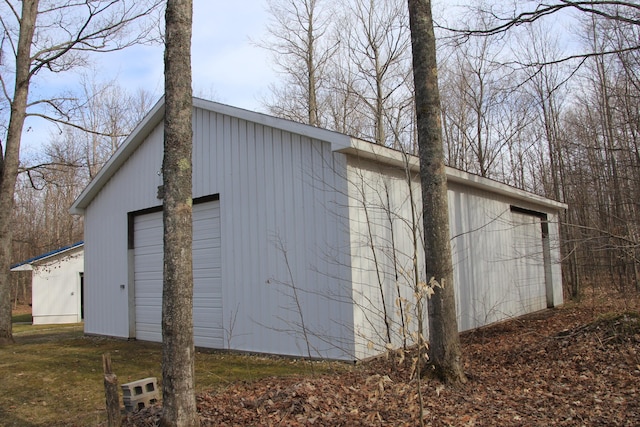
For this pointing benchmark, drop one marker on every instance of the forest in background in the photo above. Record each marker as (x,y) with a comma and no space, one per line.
(521,105)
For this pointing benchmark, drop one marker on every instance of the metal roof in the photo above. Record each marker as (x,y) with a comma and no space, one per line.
(156,116)
(339,143)
(47,255)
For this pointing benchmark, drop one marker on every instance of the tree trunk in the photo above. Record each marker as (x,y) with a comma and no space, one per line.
(114,418)
(311,70)
(177,299)
(9,161)
(444,341)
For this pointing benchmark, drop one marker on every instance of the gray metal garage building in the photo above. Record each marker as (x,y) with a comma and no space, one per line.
(288,215)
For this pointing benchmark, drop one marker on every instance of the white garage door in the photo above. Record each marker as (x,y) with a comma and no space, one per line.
(529,259)
(207,292)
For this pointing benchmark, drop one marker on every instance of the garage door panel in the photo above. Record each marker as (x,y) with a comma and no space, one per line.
(529,259)
(150,318)
(148,253)
(205,318)
(150,275)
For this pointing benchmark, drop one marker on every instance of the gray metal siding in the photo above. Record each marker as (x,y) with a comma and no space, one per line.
(528,255)
(106,225)
(275,188)
(382,252)
(276,214)
(291,224)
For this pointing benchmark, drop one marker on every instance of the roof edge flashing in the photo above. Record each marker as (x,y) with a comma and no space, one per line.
(389,156)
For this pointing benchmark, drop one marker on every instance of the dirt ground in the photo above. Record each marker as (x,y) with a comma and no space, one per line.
(21,309)
(577,365)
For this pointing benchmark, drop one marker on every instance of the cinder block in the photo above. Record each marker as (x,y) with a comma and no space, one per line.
(140,402)
(140,394)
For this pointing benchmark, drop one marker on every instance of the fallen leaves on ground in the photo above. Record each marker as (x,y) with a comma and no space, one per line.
(569,366)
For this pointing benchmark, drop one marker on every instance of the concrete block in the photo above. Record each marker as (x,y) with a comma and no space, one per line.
(140,394)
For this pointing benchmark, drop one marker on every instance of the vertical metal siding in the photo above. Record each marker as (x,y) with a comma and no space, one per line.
(497,255)
(529,282)
(381,222)
(267,189)
(281,189)
(56,290)
(555,272)
(498,259)
(134,187)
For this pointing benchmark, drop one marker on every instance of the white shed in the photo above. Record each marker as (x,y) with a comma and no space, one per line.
(56,285)
(303,240)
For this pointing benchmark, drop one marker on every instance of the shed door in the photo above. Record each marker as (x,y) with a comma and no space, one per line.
(207,292)
(529,279)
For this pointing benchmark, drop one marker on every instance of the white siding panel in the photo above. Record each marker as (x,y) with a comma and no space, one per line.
(382,253)
(291,222)
(268,199)
(291,218)
(529,282)
(56,292)
(555,273)
(497,256)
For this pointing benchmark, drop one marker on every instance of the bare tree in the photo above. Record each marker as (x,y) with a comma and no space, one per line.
(377,44)
(49,37)
(300,40)
(444,342)
(103,116)
(508,17)
(582,94)
(346,71)
(9,160)
(49,180)
(343,103)
(178,351)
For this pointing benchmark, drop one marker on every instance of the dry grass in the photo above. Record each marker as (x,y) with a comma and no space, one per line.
(52,375)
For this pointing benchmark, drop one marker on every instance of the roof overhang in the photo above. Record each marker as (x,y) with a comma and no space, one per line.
(399,159)
(46,257)
(339,142)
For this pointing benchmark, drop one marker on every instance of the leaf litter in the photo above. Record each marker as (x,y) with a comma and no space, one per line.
(570,366)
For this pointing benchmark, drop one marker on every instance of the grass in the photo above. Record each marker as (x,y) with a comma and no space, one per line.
(21,318)
(52,375)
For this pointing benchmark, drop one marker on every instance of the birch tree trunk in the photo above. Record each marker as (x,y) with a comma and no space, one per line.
(444,341)
(178,374)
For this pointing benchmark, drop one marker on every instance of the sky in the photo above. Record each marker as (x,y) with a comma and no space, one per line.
(226,65)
